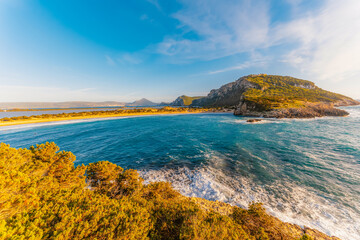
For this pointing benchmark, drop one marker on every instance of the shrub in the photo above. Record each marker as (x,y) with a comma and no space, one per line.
(43,196)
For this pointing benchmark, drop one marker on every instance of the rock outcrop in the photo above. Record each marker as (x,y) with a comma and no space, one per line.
(179,102)
(228,95)
(184,100)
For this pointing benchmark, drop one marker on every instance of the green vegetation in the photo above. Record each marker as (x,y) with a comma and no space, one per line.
(275,92)
(188,100)
(44,196)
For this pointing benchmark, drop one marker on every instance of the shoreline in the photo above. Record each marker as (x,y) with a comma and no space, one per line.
(63,119)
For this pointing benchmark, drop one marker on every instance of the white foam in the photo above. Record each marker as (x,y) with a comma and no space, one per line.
(287,201)
(244,121)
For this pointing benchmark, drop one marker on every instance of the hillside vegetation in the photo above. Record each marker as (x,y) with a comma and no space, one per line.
(274,92)
(188,100)
(184,100)
(276,96)
(44,196)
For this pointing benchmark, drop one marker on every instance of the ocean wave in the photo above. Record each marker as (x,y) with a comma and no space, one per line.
(244,121)
(287,201)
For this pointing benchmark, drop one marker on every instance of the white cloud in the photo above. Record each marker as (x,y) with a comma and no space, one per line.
(329,41)
(245,65)
(323,43)
(224,28)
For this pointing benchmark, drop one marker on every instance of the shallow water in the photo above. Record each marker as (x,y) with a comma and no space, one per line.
(54,111)
(304,171)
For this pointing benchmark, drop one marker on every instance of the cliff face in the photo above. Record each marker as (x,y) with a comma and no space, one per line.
(185,100)
(227,95)
(178,102)
(276,96)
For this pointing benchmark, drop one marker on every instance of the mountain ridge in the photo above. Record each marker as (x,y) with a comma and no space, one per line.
(75,104)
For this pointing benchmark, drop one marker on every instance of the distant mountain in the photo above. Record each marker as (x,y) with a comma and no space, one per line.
(276,96)
(73,104)
(184,100)
(76,104)
(142,103)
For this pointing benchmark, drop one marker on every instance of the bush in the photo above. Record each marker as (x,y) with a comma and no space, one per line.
(43,196)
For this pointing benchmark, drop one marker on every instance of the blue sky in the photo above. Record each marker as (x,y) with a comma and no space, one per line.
(91,50)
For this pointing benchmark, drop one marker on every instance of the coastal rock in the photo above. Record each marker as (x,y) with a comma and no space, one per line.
(178,102)
(253,120)
(310,111)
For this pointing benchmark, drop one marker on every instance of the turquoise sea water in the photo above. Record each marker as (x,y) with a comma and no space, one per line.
(304,171)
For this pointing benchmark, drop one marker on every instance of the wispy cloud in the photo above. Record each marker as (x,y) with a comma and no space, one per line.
(323,43)
(132,58)
(125,58)
(223,28)
(155,3)
(328,41)
(245,65)
(144,17)
(110,61)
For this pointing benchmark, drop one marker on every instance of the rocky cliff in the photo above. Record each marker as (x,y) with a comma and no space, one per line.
(184,100)
(276,96)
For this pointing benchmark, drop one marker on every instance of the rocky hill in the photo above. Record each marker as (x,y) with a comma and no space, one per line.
(184,100)
(276,96)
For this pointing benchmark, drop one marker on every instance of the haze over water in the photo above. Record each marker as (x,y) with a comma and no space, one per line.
(304,171)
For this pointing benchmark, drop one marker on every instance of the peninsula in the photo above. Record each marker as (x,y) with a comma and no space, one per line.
(273,96)
(99,114)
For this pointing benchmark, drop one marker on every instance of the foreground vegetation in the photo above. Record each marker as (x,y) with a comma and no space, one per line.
(44,196)
(98,114)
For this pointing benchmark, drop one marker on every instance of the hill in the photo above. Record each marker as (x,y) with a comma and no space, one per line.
(276,96)
(142,103)
(184,100)
(44,196)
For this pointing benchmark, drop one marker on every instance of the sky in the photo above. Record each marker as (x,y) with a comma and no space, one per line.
(110,50)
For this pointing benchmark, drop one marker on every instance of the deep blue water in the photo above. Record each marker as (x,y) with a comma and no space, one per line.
(304,171)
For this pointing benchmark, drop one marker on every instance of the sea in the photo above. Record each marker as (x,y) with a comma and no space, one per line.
(304,171)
